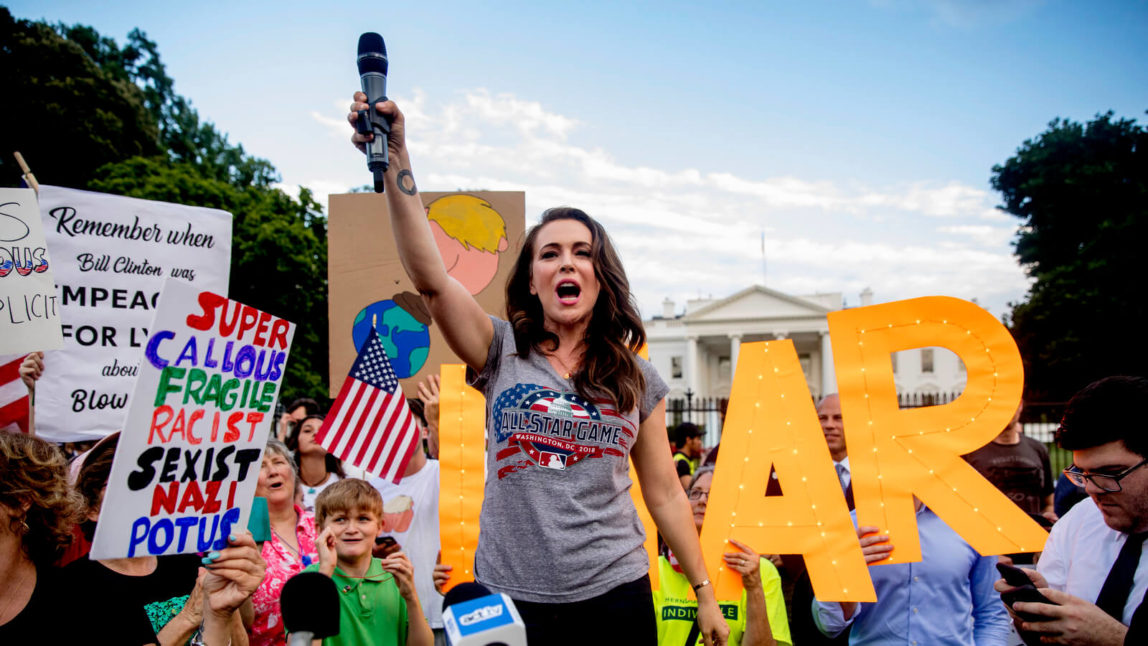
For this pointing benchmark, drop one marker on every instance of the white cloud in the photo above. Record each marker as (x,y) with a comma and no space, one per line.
(986,235)
(682,232)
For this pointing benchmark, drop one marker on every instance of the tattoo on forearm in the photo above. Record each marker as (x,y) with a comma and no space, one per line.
(406,182)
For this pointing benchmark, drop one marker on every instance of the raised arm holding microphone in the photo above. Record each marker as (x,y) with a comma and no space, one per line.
(569,403)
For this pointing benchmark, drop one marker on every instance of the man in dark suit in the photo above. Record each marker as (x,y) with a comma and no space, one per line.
(802,626)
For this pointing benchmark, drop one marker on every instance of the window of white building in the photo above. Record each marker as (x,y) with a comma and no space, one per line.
(927,360)
(676,367)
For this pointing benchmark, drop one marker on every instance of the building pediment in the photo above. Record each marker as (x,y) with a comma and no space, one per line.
(758,302)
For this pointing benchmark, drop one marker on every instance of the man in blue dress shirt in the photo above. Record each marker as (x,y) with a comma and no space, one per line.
(947,598)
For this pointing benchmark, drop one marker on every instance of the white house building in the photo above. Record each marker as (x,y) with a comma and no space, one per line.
(695,351)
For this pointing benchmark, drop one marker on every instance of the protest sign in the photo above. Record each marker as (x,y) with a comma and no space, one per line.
(894,454)
(461,428)
(111,255)
(478,235)
(188,459)
(29,310)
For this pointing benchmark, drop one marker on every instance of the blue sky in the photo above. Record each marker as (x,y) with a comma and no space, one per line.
(858,136)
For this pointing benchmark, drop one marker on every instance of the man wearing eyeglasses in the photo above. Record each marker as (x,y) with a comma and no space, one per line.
(1092,566)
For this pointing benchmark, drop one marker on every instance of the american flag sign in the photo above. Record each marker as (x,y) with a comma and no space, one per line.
(370,425)
(14,402)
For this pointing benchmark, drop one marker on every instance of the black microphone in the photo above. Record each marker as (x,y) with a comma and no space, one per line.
(309,604)
(373,77)
(464,592)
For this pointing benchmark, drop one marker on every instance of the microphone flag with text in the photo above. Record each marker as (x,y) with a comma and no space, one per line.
(473,616)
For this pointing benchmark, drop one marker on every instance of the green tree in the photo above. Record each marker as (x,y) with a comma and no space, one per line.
(87,113)
(1081,193)
(62,110)
(278,252)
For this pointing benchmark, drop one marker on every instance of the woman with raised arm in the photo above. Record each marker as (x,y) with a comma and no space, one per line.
(568,401)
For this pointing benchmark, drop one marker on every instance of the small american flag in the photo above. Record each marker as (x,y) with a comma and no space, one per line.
(370,425)
(13,395)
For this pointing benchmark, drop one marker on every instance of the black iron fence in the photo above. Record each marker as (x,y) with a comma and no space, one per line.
(1039,419)
(708,413)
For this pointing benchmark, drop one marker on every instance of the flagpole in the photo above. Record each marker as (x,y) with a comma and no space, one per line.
(763,257)
(29,178)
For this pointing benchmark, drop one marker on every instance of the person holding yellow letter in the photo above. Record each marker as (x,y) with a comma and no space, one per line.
(946,599)
(756,619)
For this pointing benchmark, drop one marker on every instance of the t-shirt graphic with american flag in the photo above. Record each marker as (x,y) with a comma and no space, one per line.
(553,429)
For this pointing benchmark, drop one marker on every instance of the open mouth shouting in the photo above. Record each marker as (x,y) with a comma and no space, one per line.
(568,292)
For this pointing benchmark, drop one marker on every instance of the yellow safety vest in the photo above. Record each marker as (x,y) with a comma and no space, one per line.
(676,608)
(681,457)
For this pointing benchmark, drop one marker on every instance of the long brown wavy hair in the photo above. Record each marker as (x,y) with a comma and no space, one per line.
(615,333)
(35,473)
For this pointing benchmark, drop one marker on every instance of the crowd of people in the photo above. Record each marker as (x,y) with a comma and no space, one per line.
(559,533)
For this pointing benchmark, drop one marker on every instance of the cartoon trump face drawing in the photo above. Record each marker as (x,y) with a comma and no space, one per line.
(470,235)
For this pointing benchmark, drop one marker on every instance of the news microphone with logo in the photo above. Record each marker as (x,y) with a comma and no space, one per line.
(473,616)
(309,604)
(373,77)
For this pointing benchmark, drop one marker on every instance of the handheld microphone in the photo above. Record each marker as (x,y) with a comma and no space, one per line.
(373,77)
(473,616)
(309,604)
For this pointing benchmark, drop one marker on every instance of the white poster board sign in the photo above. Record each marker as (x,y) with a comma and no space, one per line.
(29,311)
(188,458)
(112,255)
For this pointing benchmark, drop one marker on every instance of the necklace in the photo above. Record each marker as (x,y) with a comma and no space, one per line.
(312,486)
(305,559)
(565,366)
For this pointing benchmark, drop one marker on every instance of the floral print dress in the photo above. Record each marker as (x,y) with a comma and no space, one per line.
(282,564)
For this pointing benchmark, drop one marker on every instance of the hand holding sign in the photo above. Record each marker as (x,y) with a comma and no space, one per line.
(188,460)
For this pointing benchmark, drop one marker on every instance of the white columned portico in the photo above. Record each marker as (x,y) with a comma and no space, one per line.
(693,369)
(828,376)
(734,348)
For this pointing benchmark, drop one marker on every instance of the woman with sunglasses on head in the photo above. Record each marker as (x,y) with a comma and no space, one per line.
(569,404)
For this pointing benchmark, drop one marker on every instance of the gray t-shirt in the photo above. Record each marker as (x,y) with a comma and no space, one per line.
(557,524)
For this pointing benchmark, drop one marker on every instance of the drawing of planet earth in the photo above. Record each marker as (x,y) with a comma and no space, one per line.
(405,339)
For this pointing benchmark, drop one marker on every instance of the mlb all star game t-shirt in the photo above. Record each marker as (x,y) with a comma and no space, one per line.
(558,524)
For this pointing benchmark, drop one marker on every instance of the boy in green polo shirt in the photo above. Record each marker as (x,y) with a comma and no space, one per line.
(378,605)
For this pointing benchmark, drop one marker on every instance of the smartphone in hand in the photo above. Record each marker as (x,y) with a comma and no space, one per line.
(1013,575)
(1027,593)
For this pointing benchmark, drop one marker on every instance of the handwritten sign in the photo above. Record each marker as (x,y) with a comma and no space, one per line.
(111,256)
(29,308)
(188,459)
